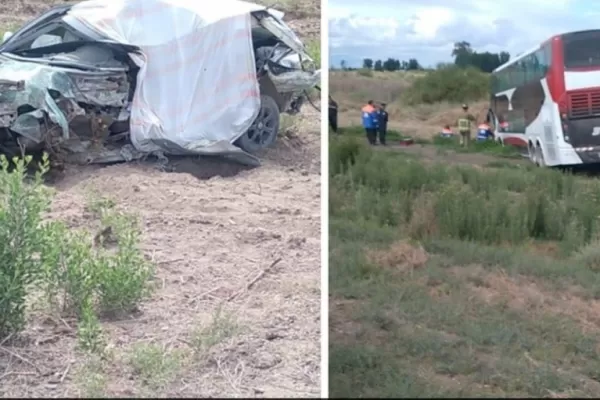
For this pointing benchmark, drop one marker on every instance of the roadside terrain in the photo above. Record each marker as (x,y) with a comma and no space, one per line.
(457,273)
(236,306)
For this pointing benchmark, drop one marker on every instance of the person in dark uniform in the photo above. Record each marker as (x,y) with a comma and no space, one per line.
(382,118)
(333,114)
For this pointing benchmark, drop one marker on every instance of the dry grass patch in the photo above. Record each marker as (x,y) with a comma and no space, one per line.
(524,294)
(400,256)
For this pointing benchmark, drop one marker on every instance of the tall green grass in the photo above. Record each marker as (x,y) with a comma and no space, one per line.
(461,202)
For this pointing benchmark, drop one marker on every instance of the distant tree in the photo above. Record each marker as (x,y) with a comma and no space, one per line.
(413,65)
(465,56)
(462,53)
(343,65)
(368,63)
(378,66)
(391,64)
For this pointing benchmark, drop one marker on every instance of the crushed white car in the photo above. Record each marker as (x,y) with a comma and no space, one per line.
(115,80)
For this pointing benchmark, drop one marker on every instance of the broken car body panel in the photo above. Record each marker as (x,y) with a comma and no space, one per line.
(100,71)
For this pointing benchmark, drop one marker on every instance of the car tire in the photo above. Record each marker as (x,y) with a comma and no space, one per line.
(263,131)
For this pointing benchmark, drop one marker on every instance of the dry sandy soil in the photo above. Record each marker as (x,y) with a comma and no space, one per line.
(211,228)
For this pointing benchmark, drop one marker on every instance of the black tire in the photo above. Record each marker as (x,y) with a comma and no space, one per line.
(264,129)
(540,157)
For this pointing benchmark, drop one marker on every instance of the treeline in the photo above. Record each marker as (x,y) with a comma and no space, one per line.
(464,56)
(392,64)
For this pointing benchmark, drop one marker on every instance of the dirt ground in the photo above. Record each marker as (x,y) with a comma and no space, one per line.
(212,228)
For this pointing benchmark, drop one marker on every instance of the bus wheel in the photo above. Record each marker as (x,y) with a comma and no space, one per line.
(532,154)
(539,157)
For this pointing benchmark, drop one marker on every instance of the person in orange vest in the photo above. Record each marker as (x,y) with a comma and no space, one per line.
(447,132)
(370,122)
(503,126)
(484,132)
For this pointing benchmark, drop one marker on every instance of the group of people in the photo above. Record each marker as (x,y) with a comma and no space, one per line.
(465,124)
(375,121)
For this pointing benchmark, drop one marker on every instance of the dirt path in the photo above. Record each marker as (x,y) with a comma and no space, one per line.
(209,237)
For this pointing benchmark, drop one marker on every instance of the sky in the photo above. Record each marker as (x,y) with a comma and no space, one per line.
(427,29)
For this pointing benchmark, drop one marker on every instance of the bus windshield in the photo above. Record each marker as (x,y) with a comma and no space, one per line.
(582,49)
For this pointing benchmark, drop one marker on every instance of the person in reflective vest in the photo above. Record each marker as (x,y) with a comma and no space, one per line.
(382,121)
(447,132)
(484,132)
(369,121)
(464,124)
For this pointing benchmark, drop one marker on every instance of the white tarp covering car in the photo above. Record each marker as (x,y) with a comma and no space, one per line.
(183,77)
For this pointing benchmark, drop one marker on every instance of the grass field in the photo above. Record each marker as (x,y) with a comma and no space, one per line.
(455,280)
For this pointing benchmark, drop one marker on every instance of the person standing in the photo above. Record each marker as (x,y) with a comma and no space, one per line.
(382,121)
(369,121)
(333,115)
(465,123)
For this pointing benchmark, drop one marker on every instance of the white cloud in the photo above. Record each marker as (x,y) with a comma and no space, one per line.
(427,29)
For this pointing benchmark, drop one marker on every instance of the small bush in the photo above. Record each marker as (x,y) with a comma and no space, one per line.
(80,275)
(21,207)
(75,271)
(365,72)
(343,153)
(450,84)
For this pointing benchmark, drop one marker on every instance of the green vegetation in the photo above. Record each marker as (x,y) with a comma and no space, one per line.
(488,147)
(313,48)
(460,281)
(448,84)
(78,274)
(451,144)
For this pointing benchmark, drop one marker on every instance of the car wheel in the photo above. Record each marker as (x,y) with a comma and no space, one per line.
(264,129)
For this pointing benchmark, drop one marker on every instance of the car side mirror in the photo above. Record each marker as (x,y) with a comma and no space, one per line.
(6,36)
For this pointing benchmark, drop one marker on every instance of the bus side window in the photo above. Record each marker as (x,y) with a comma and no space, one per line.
(547,50)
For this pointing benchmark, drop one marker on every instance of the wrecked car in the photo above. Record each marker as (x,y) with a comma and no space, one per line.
(106,81)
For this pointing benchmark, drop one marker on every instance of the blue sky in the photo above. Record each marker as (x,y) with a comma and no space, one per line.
(427,29)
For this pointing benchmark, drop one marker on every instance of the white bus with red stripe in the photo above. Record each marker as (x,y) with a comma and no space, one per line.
(547,100)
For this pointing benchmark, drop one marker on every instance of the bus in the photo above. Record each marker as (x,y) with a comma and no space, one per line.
(547,100)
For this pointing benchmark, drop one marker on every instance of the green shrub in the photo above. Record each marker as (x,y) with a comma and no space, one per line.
(75,271)
(313,48)
(21,207)
(342,152)
(449,83)
(79,274)
(365,72)
(461,202)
